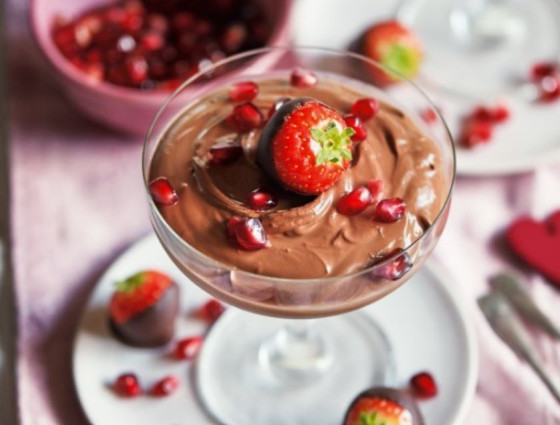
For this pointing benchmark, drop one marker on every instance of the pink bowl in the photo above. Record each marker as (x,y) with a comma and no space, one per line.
(126,109)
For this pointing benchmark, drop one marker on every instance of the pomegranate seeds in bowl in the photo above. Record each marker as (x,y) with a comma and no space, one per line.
(145,44)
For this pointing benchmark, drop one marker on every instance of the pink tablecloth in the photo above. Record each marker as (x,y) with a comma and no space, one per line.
(77,202)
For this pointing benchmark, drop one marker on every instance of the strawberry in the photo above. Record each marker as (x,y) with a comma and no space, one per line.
(137,293)
(383,406)
(305,146)
(395,46)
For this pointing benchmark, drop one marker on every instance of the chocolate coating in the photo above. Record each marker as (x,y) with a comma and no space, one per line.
(264,147)
(153,327)
(398,396)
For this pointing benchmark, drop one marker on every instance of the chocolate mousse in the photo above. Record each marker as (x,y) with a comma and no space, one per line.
(212,164)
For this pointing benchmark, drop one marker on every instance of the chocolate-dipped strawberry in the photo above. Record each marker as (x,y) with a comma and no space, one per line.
(305,146)
(383,406)
(143,309)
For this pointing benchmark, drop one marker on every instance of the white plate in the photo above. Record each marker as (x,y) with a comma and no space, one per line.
(426,322)
(530,139)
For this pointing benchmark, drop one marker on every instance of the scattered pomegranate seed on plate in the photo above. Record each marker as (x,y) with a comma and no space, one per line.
(165,386)
(354,202)
(390,210)
(360,132)
(423,385)
(541,70)
(188,348)
(243,91)
(476,133)
(302,78)
(127,385)
(245,117)
(365,108)
(163,192)
(259,200)
(210,311)
(225,152)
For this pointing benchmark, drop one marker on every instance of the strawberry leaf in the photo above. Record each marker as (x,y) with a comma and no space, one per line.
(334,144)
(130,284)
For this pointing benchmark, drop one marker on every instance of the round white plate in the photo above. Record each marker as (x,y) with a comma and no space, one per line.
(426,322)
(529,139)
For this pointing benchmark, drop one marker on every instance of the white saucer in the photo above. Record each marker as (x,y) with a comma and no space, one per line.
(529,139)
(426,322)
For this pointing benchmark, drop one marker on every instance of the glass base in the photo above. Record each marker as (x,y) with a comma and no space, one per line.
(246,375)
(482,48)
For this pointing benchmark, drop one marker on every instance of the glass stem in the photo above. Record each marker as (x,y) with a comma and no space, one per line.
(487,23)
(296,353)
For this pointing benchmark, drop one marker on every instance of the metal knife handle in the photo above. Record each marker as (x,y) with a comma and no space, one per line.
(510,287)
(510,329)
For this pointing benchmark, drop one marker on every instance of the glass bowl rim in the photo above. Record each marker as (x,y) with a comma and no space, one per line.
(318,50)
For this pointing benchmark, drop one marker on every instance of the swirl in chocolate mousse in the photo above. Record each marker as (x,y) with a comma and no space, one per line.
(308,237)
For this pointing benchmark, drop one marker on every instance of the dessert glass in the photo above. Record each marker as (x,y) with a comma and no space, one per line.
(269,367)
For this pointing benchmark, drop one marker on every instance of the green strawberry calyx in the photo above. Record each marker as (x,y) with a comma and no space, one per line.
(334,144)
(131,284)
(370,419)
(403,59)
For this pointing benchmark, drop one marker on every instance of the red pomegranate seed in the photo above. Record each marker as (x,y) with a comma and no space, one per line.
(360,132)
(277,105)
(233,38)
(375,187)
(162,192)
(225,152)
(182,21)
(246,117)
(243,91)
(302,78)
(396,268)
(543,69)
(354,202)
(211,311)
(549,88)
(165,386)
(158,23)
(365,108)
(231,226)
(482,113)
(390,210)
(423,385)
(250,235)
(94,70)
(137,69)
(152,41)
(428,115)
(500,114)
(202,28)
(126,385)
(258,200)
(476,132)
(188,348)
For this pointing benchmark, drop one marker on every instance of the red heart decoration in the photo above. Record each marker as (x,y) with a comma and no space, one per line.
(538,244)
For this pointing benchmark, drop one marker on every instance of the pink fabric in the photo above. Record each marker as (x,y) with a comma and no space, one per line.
(77,202)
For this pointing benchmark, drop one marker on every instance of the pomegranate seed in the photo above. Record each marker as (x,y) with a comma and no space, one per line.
(250,235)
(225,152)
(360,132)
(396,268)
(233,38)
(211,311)
(428,115)
(202,28)
(365,108)
(96,71)
(423,385)
(162,192)
(277,105)
(354,202)
(549,88)
(158,23)
(182,21)
(542,70)
(188,348)
(126,385)
(476,133)
(82,35)
(258,200)
(390,210)
(243,91)
(152,41)
(482,113)
(132,22)
(246,117)
(137,69)
(302,78)
(231,225)
(165,386)
(375,187)
(500,114)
